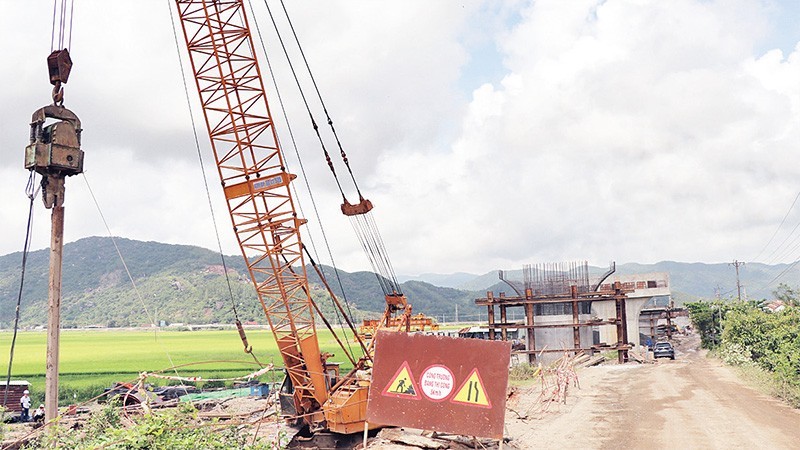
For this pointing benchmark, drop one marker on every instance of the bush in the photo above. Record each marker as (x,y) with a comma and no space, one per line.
(170,429)
(522,372)
(735,354)
(3,412)
(753,337)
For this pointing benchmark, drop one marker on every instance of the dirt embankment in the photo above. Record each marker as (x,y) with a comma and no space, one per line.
(692,402)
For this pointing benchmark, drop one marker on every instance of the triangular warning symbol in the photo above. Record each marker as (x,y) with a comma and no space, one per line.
(402,384)
(472,392)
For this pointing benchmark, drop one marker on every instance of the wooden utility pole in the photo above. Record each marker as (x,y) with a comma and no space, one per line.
(54,313)
(738,264)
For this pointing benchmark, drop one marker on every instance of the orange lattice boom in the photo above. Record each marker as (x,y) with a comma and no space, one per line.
(256,184)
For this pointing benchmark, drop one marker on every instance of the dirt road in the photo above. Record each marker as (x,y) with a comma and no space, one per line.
(692,402)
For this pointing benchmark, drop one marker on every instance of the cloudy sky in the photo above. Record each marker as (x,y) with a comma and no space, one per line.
(487,134)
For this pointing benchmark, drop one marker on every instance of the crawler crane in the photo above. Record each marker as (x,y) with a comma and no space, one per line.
(256,186)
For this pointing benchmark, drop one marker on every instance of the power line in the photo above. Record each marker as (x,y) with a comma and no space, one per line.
(777,230)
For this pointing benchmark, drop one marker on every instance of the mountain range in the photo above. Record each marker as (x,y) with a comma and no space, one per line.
(187,284)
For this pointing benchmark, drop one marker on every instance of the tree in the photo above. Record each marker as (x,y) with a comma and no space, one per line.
(785,293)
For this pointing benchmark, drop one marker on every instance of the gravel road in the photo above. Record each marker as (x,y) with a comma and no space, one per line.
(692,402)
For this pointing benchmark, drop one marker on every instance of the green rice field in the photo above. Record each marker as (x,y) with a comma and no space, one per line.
(95,359)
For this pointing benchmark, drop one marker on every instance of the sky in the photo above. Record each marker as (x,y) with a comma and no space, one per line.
(487,134)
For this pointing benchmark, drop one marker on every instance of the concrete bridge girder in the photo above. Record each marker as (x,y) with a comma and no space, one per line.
(634,303)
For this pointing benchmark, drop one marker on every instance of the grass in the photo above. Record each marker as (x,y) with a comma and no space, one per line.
(92,360)
(770,384)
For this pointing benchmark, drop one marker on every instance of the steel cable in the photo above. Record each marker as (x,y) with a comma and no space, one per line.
(31,193)
(302,167)
(205,179)
(127,271)
(305,102)
(322,102)
(374,248)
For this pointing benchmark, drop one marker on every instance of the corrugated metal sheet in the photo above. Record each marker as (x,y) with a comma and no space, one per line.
(15,390)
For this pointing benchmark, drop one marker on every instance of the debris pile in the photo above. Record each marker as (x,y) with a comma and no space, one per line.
(406,439)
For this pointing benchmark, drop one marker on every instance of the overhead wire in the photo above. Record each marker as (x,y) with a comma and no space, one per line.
(788,246)
(31,193)
(790,249)
(778,251)
(778,228)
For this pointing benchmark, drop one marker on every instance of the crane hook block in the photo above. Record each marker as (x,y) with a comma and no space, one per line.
(362,207)
(59,65)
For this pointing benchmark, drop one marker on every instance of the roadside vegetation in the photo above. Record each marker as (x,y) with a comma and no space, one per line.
(764,344)
(173,428)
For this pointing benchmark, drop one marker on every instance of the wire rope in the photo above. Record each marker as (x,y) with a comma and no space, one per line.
(307,184)
(71,16)
(377,248)
(305,102)
(372,253)
(127,271)
(31,193)
(62,20)
(302,166)
(321,101)
(203,171)
(53,30)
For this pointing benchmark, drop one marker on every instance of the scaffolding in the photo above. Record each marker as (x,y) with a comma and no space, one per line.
(558,289)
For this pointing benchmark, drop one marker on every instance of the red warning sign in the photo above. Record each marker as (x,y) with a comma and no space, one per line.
(402,384)
(439,383)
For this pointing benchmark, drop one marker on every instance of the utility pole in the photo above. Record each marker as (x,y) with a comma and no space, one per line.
(738,264)
(54,152)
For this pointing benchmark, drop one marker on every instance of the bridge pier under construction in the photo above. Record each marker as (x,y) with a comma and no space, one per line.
(564,312)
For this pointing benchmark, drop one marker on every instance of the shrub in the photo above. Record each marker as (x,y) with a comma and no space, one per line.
(168,429)
(735,354)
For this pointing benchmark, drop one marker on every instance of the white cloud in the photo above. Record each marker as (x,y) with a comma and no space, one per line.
(631,130)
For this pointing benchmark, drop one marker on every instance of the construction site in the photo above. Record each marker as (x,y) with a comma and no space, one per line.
(564,356)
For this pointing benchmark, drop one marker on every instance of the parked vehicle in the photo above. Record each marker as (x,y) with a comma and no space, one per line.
(663,350)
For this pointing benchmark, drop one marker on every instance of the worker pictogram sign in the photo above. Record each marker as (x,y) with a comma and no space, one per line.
(472,392)
(437,382)
(402,384)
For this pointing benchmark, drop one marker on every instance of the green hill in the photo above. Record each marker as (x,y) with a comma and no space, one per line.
(177,283)
(181,283)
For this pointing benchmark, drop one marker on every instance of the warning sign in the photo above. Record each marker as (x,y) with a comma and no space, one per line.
(402,384)
(437,382)
(472,392)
